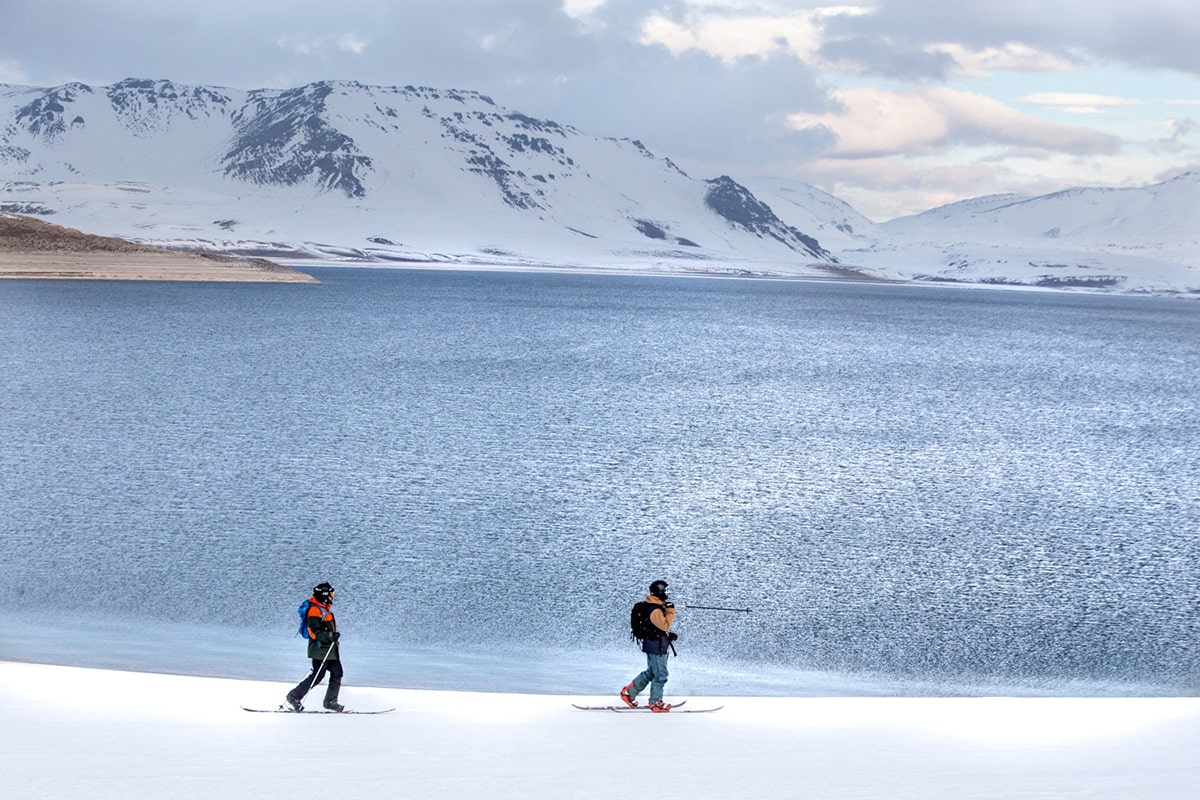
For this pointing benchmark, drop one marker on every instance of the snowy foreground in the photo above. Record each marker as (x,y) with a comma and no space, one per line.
(75,733)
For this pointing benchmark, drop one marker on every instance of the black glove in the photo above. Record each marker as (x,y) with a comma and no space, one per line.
(333,637)
(672,636)
(668,604)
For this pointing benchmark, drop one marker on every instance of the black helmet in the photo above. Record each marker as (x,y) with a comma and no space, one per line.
(659,589)
(323,592)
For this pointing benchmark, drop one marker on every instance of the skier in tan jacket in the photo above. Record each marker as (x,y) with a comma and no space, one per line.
(652,620)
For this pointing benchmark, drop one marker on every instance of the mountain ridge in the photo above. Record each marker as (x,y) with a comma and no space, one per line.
(341,170)
(346,137)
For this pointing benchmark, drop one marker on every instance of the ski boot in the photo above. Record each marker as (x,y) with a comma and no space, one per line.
(660,707)
(294,704)
(334,705)
(627,698)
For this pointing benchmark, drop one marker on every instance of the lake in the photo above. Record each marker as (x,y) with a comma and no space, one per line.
(915,489)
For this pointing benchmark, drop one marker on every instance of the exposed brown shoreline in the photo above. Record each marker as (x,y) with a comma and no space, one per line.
(144,267)
(36,250)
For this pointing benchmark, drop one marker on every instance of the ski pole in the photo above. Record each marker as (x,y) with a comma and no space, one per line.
(313,680)
(719,608)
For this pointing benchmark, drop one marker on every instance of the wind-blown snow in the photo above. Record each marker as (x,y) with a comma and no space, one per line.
(100,734)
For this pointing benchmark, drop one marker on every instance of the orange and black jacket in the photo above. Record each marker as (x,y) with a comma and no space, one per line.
(321,627)
(661,617)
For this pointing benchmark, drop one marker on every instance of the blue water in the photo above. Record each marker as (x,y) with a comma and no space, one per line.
(917,490)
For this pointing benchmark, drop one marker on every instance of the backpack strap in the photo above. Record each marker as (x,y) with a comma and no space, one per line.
(643,610)
(324,612)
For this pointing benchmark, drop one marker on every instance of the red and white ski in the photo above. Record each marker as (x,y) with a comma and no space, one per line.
(646,709)
(286,710)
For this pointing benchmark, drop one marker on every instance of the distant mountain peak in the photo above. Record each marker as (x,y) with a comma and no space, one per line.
(48,116)
(285,138)
(419,158)
(741,208)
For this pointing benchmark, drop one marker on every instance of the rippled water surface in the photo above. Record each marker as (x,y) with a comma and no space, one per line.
(919,485)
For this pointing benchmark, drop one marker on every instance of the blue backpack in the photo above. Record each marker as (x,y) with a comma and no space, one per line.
(303,612)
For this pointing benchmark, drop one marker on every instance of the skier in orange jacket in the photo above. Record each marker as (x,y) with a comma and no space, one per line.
(322,651)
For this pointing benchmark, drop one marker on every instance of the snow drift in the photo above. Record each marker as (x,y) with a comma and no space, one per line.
(102,734)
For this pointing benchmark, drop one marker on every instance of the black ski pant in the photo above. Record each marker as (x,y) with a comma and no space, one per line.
(334,668)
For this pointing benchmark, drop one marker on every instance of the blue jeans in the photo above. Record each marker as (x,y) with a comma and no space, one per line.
(655,677)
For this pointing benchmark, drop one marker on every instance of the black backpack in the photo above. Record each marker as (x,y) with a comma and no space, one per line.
(639,621)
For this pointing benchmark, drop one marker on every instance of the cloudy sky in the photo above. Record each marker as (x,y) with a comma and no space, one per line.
(893,105)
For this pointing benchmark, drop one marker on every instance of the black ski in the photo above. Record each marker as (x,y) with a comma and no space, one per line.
(286,710)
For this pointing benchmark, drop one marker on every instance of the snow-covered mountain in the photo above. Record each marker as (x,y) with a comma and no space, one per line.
(1142,239)
(804,206)
(1163,217)
(1131,240)
(340,170)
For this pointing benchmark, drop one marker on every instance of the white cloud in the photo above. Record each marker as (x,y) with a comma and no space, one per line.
(885,188)
(323,45)
(730,39)
(1179,139)
(1145,34)
(1076,103)
(11,72)
(295,46)
(351,43)
(976,62)
(714,30)
(877,122)
(580,8)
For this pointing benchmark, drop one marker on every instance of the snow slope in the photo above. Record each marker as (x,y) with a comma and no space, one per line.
(1161,218)
(832,221)
(102,734)
(1141,239)
(341,171)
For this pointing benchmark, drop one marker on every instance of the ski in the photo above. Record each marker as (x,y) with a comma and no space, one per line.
(618,710)
(286,710)
(646,709)
(622,708)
